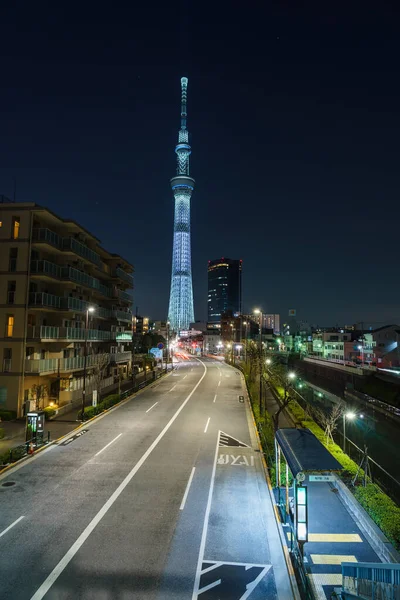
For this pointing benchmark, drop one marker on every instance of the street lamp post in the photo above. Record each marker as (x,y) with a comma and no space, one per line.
(259,312)
(89,309)
(166,364)
(133,356)
(245,341)
(350,416)
(362,354)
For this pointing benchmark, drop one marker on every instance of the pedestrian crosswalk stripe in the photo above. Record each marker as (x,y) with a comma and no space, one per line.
(334,537)
(327,578)
(332,559)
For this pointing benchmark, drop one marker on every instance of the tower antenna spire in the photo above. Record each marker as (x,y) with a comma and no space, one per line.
(181,312)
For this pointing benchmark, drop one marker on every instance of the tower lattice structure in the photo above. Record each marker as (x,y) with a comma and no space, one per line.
(181,312)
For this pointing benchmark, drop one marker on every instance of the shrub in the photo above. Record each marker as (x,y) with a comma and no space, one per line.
(7,415)
(384,512)
(1,434)
(49,411)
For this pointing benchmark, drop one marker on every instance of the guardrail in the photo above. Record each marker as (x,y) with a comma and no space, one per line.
(370,581)
(24,449)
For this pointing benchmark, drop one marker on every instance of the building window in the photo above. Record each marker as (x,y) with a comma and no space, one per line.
(9,325)
(15,228)
(11,287)
(12,261)
(7,356)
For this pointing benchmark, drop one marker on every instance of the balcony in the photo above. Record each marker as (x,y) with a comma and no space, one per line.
(118,357)
(42,300)
(125,296)
(123,336)
(48,237)
(122,315)
(84,279)
(81,306)
(82,250)
(46,332)
(54,365)
(118,272)
(46,268)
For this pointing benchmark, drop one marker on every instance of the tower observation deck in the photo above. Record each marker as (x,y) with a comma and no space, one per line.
(181,312)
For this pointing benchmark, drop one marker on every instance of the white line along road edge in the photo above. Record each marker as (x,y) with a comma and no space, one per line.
(11,526)
(185,495)
(109,444)
(205,526)
(59,568)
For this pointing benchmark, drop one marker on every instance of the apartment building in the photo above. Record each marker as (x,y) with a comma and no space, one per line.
(59,292)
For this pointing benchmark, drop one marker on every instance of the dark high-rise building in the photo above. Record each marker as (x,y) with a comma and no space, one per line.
(224,288)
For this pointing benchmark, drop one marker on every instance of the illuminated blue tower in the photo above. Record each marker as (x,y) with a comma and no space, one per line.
(181,312)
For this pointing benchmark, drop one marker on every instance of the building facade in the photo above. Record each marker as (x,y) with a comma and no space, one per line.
(61,292)
(224,288)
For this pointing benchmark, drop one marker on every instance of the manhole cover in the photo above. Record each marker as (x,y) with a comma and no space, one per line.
(8,483)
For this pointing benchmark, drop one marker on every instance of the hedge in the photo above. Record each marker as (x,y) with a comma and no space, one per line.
(49,411)
(7,415)
(92,411)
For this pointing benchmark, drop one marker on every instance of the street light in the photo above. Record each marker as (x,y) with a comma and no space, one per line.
(268,361)
(362,353)
(349,415)
(90,309)
(257,311)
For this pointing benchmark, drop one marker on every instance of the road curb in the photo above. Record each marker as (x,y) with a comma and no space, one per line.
(104,413)
(292,576)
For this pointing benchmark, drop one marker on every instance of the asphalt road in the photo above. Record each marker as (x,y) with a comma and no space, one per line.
(163,498)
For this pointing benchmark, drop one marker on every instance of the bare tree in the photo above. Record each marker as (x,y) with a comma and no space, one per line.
(329,420)
(100,370)
(38,393)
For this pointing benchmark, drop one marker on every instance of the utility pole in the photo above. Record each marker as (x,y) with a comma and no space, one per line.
(133,356)
(167,357)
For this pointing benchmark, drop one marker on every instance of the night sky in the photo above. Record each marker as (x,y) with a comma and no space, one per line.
(295,133)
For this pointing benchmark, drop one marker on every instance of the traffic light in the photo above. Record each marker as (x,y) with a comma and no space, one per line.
(301,514)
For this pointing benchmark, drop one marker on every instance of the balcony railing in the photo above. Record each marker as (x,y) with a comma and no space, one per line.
(120,356)
(82,250)
(47,236)
(44,267)
(42,365)
(81,306)
(121,315)
(85,279)
(124,276)
(123,336)
(42,299)
(46,332)
(125,296)
(53,365)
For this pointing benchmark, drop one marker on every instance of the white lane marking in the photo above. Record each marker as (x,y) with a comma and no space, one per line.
(185,495)
(149,409)
(109,444)
(10,526)
(173,387)
(59,568)
(184,377)
(219,383)
(205,526)
(215,397)
(206,427)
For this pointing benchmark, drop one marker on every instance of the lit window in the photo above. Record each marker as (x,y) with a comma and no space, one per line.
(1,223)
(10,325)
(15,228)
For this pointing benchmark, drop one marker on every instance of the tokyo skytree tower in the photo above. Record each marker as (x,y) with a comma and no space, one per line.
(181,312)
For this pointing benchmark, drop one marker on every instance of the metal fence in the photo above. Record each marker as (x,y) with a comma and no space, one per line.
(24,449)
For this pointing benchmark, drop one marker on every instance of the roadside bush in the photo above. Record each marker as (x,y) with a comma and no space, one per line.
(1,434)
(384,512)
(49,412)
(110,401)
(92,411)
(7,415)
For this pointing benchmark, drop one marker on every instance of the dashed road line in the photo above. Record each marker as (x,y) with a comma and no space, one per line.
(219,383)
(215,397)
(173,387)
(149,409)
(182,506)
(66,559)
(109,444)
(11,526)
(206,427)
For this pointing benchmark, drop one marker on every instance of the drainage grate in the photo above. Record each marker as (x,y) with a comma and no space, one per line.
(8,483)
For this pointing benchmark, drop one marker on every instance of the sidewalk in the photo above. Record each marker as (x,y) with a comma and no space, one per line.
(14,431)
